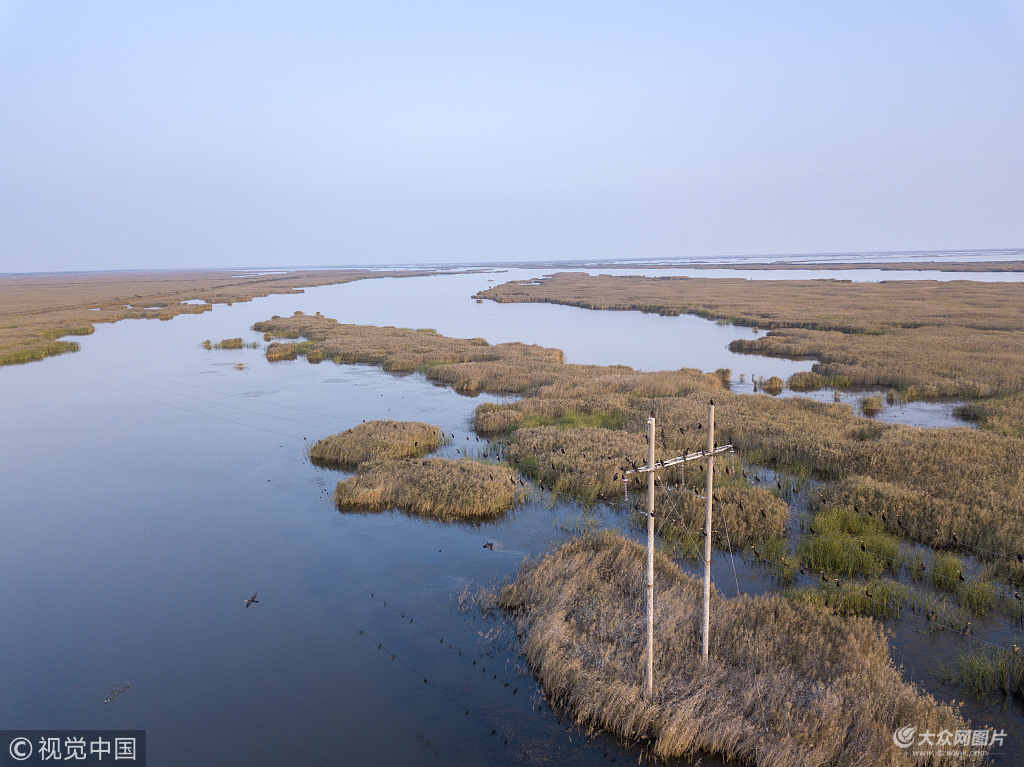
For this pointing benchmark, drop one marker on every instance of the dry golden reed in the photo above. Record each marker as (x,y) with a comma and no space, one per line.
(924,338)
(377,439)
(786,685)
(432,487)
(955,480)
(36,309)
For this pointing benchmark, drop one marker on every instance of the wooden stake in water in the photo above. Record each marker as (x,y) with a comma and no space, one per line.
(707,528)
(650,557)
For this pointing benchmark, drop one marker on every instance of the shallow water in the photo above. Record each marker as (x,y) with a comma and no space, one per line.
(149,488)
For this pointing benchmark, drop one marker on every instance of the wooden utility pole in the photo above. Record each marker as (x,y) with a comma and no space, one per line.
(650,557)
(649,469)
(708,491)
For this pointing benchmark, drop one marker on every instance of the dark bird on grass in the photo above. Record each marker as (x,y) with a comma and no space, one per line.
(899,522)
(811,528)
(856,508)
(1016,596)
(863,547)
(615,478)
(779,483)
(763,515)
(489,545)
(754,549)
(961,576)
(839,583)
(512,479)
(491,476)
(954,538)
(967,629)
(251,600)
(923,568)
(803,571)
(885,519)
(796,491)
(867,593)
(931,616)
(823,578)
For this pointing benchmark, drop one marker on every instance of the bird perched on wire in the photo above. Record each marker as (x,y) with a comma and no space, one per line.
(251,600)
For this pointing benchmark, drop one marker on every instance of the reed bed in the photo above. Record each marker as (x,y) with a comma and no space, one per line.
(229,343)
(473,365)
(927,339)
(377,439)
(433,487)
(881,598)
(961,481)
(742,517)
(584,462)
(787,684)
(1001,415)
(36,309)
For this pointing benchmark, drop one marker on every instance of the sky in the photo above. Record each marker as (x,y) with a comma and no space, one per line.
(139,135)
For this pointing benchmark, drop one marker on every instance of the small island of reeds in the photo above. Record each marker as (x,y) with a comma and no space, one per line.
(787,684)
(434,487)
(377,439)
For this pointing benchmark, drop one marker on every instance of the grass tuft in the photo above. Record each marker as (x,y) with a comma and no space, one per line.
(377,439)
(432,487)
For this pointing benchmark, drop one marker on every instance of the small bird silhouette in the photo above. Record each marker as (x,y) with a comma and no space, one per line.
(251,600)
(489,545)
(967,629)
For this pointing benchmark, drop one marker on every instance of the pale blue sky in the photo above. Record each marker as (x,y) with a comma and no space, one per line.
(157,135)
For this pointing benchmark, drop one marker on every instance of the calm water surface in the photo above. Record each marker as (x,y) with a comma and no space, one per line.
(149,488)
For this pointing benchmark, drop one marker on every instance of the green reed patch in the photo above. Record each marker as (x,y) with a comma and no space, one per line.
(988,670)
(845,542)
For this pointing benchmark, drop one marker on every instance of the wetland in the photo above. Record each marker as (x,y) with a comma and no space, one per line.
(147,545)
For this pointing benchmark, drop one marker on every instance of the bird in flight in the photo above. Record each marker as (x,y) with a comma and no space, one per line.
(251,600)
